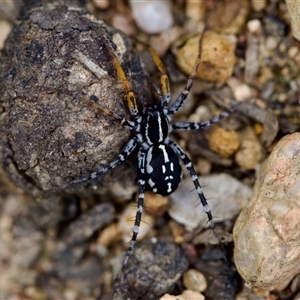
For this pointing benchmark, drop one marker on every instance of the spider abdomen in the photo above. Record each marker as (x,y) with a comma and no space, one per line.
(162,169)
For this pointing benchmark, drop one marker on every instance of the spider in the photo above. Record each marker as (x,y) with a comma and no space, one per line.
(158,157)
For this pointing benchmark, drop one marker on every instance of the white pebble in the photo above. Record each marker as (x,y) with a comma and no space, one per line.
(254,26)
(152,16)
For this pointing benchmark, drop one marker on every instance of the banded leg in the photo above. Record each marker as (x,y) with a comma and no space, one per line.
(183,95)
(131,100)
(127,150)
(195,126)
(142,185)
(188,164)
(164,80)
(99,108)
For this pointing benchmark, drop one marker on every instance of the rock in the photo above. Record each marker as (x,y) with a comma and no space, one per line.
(251,152)
(229,16)
(186,295)
(194,280)
(177,231)
(152,16)
(101,4)
(226,197)
(108,235)
(258,5)
(5,29)
(153,270)
(222,141)
(125,23)
(217,58)
(266,233)
(52,136)
(241,91)
(86,225)
(294,12)
(155,204)
(221,276)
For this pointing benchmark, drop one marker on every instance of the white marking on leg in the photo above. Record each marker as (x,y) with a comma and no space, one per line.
(136,229)
(194,177)
(206,208)
(199,190)
(163,169)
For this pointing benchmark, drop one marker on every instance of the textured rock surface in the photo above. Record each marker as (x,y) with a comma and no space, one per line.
(267,232)
(152,271)
(52,60)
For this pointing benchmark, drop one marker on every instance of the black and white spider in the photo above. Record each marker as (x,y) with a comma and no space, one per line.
(158,157)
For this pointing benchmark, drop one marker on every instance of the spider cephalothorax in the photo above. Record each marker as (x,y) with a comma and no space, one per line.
(158,157)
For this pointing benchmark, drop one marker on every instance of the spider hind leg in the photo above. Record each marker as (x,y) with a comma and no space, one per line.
(188,164)
(141,185)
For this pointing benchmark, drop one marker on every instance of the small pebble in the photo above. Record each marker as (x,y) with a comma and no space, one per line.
(271,43)
(217,57)
(177,231)
(254,26)
(195,10)
(258,5)
(5,29)
(293,51)
(241,91)
(87,223)
(124,23)
(186,295)
(203,166)
(266,234)
(108,235)
(155,204)
(152,270)
(101,4)
(223,142)
(161,43)
(152,16)
(250,152)
(229,16)
(201,114)
(126,223)
(194,280)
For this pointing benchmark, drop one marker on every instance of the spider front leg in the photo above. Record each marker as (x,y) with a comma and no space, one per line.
(188,164)
(142,185)
(195,126)
(127,150)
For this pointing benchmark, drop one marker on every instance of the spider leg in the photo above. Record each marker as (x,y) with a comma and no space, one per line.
(195,126)
(103,110)
(188,164)
(126,151)
(183,95)
(142,185)
(130,97)
(164,80)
